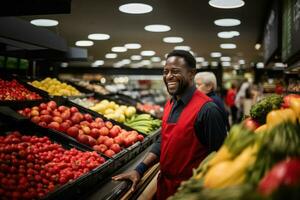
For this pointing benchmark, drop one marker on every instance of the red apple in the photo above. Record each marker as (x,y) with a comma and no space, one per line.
(69,122)
(98,119)
(27,110)
(66,115)
(88,117)
(72,131)
(86,130)
(43,124)
(104,131)
(35,108)
(109,153)
(108,142)
(115,147)
(64,126)
(114,131)
(34,113)
(92,141)
(94,133)
(100,148)
(45,112)
(94,125)
(83,139)
(43,106)
(46,118)
(35,119)
(84,123)
(54,125)
(140,137)
(101,139)
(108,124)
(62,108)
(73,109)
(21,112)
(118,140)
(55,112)
(57,119)
(52,104)
(75,119)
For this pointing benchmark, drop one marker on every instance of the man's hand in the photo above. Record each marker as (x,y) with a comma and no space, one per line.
(133,176)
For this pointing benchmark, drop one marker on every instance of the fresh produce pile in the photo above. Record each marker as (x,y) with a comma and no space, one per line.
(13,90)
(85,102)
(143,123)
(254,162)
(102,135)
(33,166)
(112,110)
(149,108)
(55,87)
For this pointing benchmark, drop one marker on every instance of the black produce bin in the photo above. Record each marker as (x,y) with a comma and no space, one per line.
(73,189)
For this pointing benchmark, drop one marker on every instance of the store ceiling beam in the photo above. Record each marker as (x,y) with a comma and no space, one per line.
(35,7)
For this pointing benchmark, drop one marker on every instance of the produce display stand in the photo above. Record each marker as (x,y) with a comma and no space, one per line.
(73,188)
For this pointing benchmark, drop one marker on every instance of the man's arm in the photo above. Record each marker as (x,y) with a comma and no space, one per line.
(150,159)
(210,127)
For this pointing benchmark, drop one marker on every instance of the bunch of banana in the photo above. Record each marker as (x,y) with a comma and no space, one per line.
(143,123)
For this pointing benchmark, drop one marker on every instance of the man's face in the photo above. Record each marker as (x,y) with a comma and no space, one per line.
(176,75)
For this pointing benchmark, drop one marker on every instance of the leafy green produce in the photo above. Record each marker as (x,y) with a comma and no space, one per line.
(260,110)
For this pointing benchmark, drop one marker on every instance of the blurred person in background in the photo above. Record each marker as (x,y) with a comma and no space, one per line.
(206,82)
(240,98)
(192,127)
(229,100)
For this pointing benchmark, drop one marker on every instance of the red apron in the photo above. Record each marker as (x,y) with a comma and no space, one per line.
(181,150)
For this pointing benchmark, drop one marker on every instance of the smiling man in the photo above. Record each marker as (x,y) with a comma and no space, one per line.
(192,127)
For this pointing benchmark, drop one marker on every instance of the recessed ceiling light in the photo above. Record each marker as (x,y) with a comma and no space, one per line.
(98,36)
(228,34)
(84,43)
(148,53)
(97,63)
(226,4)
(44,22)
(126,61)
(242,62)
(199,59)
(228,46)
(111,55)
(173,39)
(155,59)
(226,64)
(260,65)
(118,49)
(227,22)
(257,46)
(157,28)
(132,46)
(186,48)
(215,54)
(214,63)
(136,57)
(64,64)
(135,8)
(225,59)
(145,62)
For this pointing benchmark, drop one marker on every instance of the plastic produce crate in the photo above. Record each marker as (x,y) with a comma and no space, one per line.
(81,184)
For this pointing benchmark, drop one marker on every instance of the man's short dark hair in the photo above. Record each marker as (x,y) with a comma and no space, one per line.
(187,56)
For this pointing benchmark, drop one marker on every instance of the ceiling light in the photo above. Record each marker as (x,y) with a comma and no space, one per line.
(173,39)
(200,59)
(214,64)
(215,54)
(126,61)
(279,64)
(132,46)
(157,28)
(257,46)
(228,34)
(84,43)
(64,64)
(148,53)
(135,8)
(242,62)
(146,62)
(136,57)
(97,63)
(186,48)
(98,36)
(44,22)
(226,64)
(260,65)
(155,59)
(228,46)
(111,55)
(226,4)
(118,49)
(204,64)
(225,59)
(227,22)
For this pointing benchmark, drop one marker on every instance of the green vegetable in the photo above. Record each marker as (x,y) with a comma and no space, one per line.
(260,110)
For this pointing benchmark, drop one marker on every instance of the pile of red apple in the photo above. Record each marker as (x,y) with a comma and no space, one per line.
(33,166)
(13,90)
(103,136)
